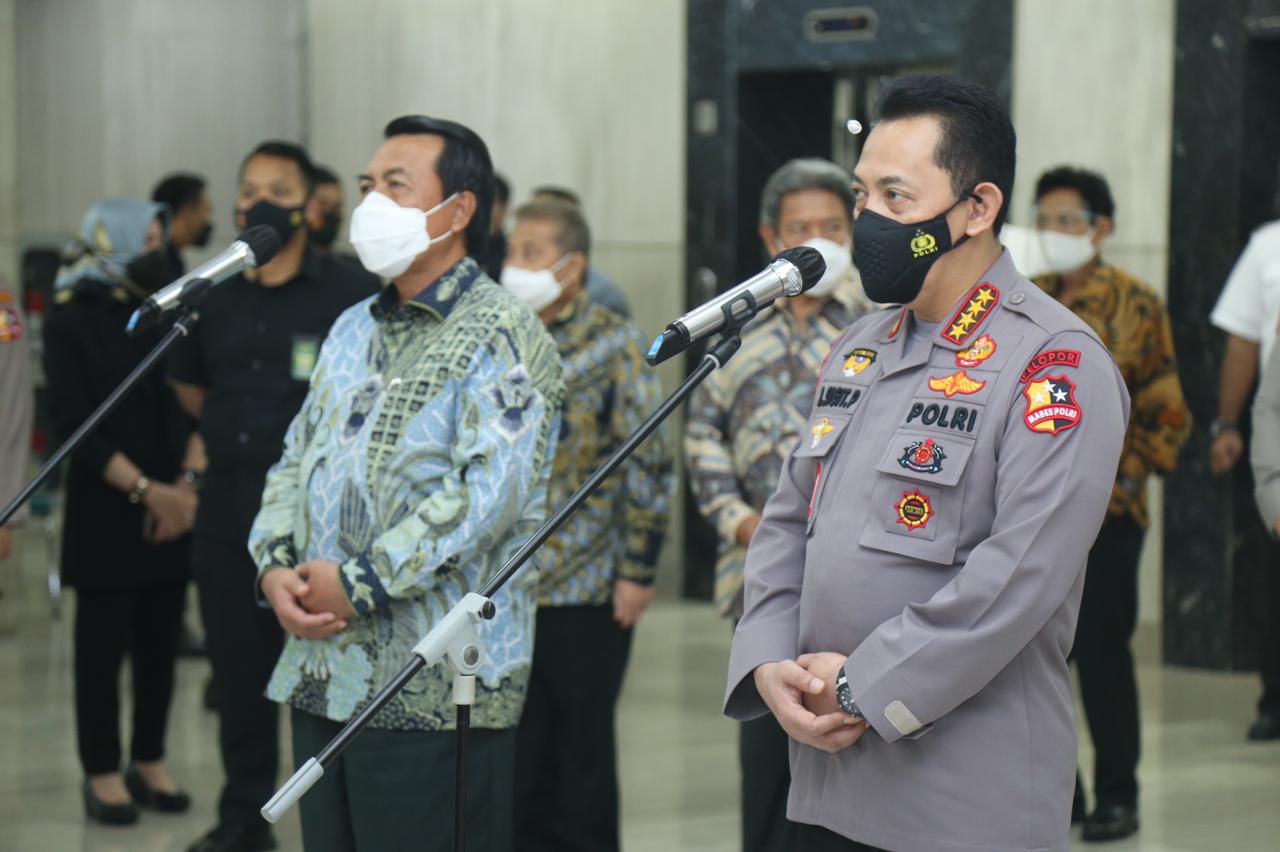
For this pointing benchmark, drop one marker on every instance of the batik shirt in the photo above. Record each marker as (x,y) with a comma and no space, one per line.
(609,392)
(419,463)
(1132,322)
(747,417)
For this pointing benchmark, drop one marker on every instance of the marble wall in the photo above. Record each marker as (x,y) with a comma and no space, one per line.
(1087,92)
(112,94)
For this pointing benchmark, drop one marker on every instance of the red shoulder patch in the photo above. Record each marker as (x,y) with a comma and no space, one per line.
(981,302)
(1050,358)
(10,325)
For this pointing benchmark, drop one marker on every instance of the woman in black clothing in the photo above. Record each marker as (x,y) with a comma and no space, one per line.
(128,508)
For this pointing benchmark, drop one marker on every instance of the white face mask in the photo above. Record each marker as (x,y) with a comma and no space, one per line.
(537,288)
(1066,252)
(838,258)
(388,237)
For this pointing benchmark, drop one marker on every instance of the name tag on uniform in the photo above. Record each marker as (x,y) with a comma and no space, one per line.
(302,362)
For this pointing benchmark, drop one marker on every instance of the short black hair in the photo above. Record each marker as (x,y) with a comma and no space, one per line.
(559,192)
(323,174)
(1092,187)
(285,151)
(464,166)
(501,188)
(178,190)
(978,142)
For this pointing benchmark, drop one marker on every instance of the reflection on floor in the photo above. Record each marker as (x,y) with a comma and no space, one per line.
(1204,788)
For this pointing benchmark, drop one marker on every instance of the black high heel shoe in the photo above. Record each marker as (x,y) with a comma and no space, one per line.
(100,811)
(147,797)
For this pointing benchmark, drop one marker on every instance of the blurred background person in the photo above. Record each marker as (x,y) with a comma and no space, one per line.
(243,373)
(325,209)
(597,572)
(602,289)
(747,417)
(494,253)
(17,404)
(127,507)
(1248,311)
(1075,214)
(189,215)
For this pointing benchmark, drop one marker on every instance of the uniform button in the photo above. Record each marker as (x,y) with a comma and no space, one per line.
(243,437)
(1018,298)
(256,366)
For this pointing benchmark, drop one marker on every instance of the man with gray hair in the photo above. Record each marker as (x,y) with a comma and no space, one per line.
(747,417)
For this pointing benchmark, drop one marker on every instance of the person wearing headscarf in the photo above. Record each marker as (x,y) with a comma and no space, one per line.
(128,508)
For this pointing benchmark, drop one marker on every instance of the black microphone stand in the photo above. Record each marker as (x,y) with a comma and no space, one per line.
(455,638)
(192,295)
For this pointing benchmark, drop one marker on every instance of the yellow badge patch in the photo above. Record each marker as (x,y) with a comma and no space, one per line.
(858,360)
(956,383)
(820,430)
(914,510)
(982,349)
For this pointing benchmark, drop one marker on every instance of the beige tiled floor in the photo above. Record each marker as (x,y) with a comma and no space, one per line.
(1204,788)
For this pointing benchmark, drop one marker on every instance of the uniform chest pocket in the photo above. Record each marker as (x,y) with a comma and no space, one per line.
(918,497)
(818,443)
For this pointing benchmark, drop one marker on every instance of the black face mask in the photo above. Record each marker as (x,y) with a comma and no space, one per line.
(202,238)
(893,258)
(284,220)
(325,235)
(150,271)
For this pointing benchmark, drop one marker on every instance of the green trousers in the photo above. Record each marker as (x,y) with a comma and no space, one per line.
(392,791)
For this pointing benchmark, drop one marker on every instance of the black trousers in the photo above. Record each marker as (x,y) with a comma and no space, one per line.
(394,790)
(766,780)
(244,642)
(143,623)
(1104,661)
(566,753)
(814,838)
(1266,615)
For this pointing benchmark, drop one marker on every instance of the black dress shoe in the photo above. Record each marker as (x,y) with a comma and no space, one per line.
(148,797)
(96,809)
(236,837)
(1112,822)
(1265,727)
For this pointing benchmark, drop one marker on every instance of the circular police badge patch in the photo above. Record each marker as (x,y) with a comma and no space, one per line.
(923,457)
(914,510)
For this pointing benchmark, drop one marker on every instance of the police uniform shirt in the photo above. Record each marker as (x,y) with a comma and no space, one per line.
(934,523)
(253,351)
(1249,306)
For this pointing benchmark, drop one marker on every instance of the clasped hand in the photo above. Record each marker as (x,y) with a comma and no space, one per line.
(801,694)
(308,601)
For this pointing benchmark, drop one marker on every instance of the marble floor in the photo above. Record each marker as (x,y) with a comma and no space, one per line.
(1204,787)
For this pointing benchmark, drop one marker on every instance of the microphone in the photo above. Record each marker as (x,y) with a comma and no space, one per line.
(791,273)
(254,247)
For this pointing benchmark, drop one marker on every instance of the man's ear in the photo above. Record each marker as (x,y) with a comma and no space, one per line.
(769,238)
(1105,226)
(987,201)
(311,213)
(575,269)
(463,211)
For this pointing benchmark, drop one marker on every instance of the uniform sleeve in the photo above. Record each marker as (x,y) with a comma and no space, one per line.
(187,364)
(1050,499)
(69,398)
(648,476)
(1264,449)
(1240,309)
(709,459)
(505,427)
(17,401)
(770,626)
(1161,422)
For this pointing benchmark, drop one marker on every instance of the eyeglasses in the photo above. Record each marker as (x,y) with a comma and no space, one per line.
(1068,220)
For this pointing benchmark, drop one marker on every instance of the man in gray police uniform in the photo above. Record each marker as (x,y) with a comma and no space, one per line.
(917,575)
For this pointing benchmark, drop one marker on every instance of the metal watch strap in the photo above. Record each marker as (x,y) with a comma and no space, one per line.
(844,696)
(1220,427)
(139,492)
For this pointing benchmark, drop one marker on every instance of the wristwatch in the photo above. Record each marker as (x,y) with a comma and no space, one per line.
(194,478)
(140,489)
(844,696)
(1220,427)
